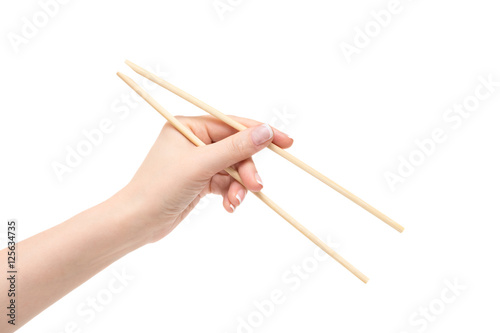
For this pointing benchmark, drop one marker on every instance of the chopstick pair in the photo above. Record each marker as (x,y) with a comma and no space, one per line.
(240,127)
(232,172)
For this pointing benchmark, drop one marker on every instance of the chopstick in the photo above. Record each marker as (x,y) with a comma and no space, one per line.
(240,127)
(233,173)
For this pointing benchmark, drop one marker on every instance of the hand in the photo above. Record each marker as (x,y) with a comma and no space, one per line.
(176,174)
(167,186)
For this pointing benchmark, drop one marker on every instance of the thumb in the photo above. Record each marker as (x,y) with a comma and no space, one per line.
(235,148)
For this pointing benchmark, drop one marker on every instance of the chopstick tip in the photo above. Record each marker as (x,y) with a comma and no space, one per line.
(123,77)
(363,278)
(131,65)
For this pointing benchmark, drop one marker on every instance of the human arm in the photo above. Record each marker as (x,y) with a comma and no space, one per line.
(172,179)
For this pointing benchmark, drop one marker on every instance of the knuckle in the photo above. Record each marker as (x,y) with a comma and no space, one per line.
(182,119)
(237,147)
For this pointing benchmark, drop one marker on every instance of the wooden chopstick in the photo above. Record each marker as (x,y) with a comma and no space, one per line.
(240,127)
(231,171)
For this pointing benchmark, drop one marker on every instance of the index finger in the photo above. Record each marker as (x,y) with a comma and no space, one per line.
(211,129)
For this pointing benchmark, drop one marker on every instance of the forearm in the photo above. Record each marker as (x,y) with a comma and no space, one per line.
(56,261)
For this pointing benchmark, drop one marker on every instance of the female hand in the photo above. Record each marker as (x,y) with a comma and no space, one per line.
(176,174)
(167,186)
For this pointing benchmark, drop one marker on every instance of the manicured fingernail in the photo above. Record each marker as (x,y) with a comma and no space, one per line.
(232,208)
(258,179)
(240,196)
(262,134)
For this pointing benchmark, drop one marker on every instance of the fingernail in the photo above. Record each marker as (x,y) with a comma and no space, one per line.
(240,196)
(262,134)
(258,179)
(232,208)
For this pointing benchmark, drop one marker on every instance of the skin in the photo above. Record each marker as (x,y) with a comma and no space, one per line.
(170,182)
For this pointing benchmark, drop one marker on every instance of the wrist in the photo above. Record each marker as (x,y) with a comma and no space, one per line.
(131,216)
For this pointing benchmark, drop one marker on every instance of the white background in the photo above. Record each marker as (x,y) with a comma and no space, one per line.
(349,120)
